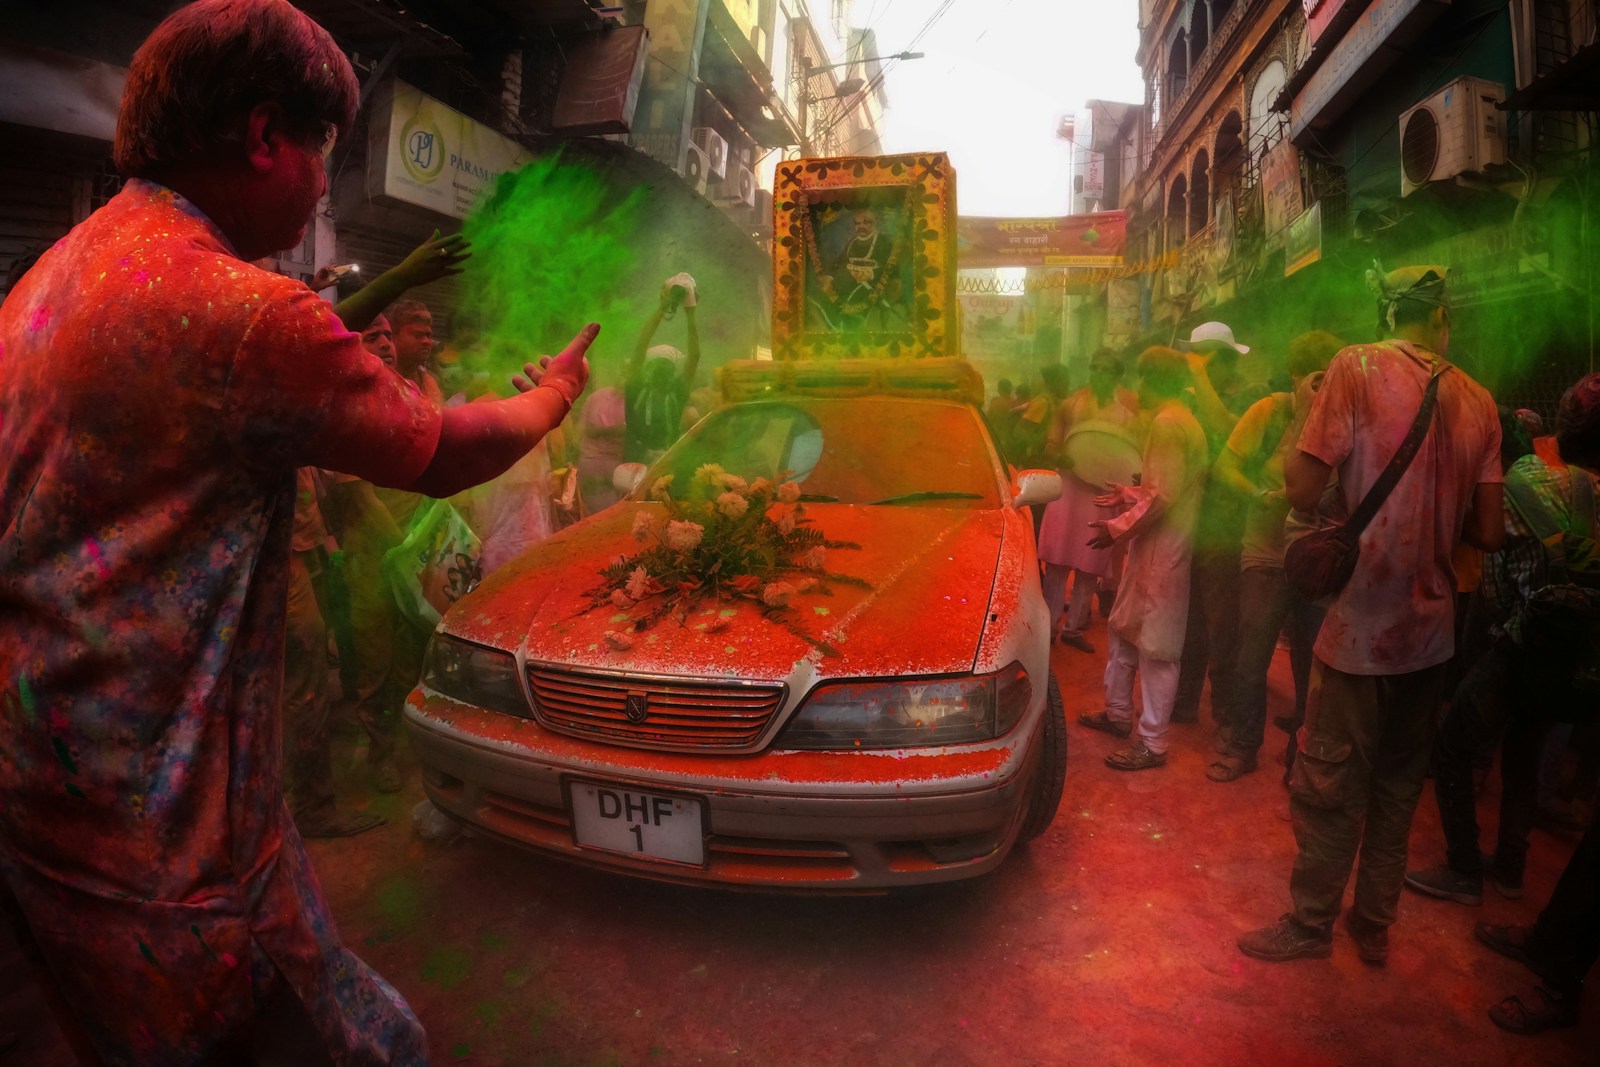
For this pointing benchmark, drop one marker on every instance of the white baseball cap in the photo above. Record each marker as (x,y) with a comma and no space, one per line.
(666,352)
(1216,331)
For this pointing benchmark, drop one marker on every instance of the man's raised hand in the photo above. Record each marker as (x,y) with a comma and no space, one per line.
(437,257)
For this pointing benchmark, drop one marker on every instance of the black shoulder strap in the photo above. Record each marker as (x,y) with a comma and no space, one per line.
(1402,459)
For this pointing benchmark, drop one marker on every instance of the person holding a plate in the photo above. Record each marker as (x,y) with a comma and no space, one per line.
(1156,518)
(1092,438)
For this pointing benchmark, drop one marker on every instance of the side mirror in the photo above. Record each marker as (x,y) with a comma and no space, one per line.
(626,478)
(1035,487)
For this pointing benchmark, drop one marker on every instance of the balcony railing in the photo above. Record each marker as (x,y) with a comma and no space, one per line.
(1221,41)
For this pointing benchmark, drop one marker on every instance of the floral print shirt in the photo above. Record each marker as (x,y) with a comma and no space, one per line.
(157,395)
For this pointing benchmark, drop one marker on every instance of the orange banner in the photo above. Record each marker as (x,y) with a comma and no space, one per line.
(1094,240)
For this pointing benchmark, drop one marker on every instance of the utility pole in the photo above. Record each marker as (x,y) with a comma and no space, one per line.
(805,106)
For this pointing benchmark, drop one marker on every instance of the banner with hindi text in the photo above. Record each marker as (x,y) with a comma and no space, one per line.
(1093,240)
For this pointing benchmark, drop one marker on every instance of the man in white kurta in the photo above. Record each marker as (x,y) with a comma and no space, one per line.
(1147,625)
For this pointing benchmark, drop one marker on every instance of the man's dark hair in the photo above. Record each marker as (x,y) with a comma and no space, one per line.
(1165,370)
(1004,387)
(1310,352)
(198,75)
(406,311)
(1578,424)
(1409,312)
(1108,355)
(1055,378)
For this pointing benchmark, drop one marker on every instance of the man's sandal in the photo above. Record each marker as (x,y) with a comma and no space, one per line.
(1230,768)
(1137,758)
(1105,724)
(1543,1009)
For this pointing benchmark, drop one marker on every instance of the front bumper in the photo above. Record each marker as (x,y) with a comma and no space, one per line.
(827,821)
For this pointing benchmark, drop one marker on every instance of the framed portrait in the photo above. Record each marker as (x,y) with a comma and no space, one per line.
(864,258)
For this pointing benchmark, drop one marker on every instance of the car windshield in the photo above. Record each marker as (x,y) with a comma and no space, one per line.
(854,450)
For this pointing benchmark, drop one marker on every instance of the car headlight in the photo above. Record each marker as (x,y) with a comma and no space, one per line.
(473,674)
(910,714)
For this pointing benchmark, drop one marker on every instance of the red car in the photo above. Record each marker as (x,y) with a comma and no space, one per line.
(902,727)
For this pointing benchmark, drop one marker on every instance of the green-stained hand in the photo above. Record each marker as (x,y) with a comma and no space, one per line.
(438,257)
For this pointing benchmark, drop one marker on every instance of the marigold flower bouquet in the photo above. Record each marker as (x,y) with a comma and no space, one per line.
(722,538)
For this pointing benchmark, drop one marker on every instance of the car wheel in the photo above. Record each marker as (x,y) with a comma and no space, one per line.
(1051,774)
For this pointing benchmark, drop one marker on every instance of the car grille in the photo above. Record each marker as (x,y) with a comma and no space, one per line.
(681,713)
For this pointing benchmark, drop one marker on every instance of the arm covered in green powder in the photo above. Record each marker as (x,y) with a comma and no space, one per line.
(479,441)
(438,257)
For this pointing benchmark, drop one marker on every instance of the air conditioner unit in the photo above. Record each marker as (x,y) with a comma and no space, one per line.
(739,186)
(697,169)
(1455,131)
(714,146)
(763,211)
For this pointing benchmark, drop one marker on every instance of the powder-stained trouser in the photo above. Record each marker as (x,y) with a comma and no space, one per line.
(1268,606)
(1363,758)
(1158,678)
(1077,608)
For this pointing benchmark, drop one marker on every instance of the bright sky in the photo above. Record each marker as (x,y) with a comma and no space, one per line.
(996,77)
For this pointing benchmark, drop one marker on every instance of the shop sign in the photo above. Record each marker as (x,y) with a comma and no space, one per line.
(1303,245)
(1092,240)
(421,152)
(993,324)
(1280,189)
(1094,176)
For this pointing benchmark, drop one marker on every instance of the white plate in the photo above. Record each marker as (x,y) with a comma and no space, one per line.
(659,826)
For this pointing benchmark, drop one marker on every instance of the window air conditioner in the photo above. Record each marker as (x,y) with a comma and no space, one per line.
(697,168)
(1455,131)
(739,186)
(714,146)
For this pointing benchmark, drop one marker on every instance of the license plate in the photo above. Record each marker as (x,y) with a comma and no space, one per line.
(656,826)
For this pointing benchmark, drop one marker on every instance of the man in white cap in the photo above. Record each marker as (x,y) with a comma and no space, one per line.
(1213,630)
(1390,630)
(660,377)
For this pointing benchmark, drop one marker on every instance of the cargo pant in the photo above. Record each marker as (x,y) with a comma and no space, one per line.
(1363,758)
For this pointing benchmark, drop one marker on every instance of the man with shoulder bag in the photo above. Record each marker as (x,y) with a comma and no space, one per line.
(1416,446)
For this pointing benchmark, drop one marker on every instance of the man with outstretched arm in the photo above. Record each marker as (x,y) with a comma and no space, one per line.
(159,393)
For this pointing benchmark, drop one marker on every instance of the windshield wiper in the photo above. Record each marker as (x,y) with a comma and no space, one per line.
(818,498)
(935,494)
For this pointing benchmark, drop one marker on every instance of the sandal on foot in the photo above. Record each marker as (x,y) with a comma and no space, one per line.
(1230,768)
(335,824)
(1106,724)
(1137,758)
(1543,1009)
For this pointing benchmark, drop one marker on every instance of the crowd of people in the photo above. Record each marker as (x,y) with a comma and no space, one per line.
(1430,565)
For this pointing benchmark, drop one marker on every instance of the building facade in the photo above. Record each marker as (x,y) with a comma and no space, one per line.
(1290,144)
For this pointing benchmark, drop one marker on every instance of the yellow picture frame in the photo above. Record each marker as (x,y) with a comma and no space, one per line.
(864,258)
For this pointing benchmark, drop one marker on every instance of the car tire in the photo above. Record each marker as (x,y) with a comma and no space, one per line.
(1044,796)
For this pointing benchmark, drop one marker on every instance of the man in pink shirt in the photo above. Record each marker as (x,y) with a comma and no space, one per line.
(1381,654)
(158,394)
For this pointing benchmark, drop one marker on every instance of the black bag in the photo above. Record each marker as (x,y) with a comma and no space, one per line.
(1560,620)
(1320,563)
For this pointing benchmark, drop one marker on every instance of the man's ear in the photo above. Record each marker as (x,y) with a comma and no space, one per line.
(263,133)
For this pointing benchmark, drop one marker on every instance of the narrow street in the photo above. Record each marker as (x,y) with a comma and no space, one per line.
(1108,941)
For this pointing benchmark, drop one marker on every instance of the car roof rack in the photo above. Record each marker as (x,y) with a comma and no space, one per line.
(945,379)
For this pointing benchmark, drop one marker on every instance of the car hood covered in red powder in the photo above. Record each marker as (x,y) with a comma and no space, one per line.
(931,573)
